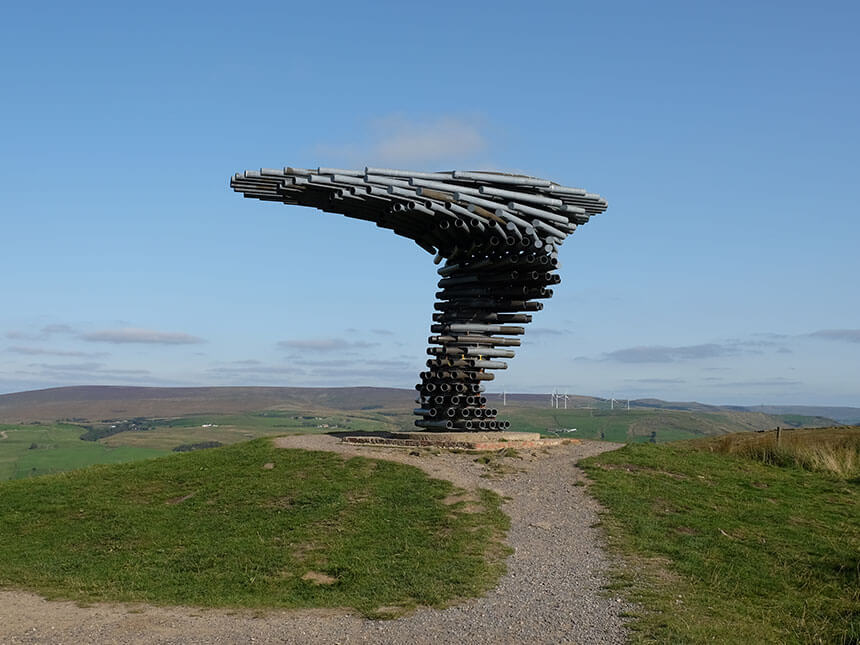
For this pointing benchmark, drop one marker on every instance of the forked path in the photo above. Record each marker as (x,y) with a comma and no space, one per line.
(552,592)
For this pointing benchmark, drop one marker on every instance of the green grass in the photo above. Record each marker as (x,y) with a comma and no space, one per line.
(729,549)
(216,528)
(31,450)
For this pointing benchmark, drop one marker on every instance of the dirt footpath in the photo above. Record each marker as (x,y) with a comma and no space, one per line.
(552,592)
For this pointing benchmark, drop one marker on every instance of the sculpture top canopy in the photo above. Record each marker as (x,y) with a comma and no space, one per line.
(445,213)
(499,235)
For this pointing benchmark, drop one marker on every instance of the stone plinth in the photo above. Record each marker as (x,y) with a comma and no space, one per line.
(478,441)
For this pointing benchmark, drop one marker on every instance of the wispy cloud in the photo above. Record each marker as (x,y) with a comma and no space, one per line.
(841,335)
(68,367)
(756,344)
(771,382)
(398,140)
(42,334)
(548,331)
(770,335)
(323,344)
(43,351)
(91,369)
(146,336)
(340,363)
(331,372)
(664,354)
(257,370)
(57,329)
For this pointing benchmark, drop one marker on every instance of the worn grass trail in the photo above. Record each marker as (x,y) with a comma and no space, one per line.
(730,548)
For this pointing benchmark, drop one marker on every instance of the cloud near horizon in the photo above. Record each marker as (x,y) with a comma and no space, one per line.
(322,372)
(323,344)
(44,333)
(145,336)
(777,381)
(664,354)
(547,331)
(42,351)
(90,369)
(842,335)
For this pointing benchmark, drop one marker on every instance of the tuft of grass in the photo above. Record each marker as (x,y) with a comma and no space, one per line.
(720,547)
(832,450)
(251,525)
(495,462)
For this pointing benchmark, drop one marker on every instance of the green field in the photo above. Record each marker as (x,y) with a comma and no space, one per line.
(625,425)
(38,449)
(31,450)
(230,428)
(251,525)
(736,539)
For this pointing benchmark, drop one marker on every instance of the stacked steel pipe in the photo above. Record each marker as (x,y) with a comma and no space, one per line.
(499,235)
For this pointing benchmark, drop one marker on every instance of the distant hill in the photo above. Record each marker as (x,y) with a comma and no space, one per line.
(850,416)
(689,406)
(845,415)
(97,402)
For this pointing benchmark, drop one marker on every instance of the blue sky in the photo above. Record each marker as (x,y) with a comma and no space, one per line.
(725,137)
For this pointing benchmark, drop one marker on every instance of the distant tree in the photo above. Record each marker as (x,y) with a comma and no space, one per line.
(203,445)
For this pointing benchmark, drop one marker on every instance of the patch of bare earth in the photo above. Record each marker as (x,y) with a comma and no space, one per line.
(552,592)
(319,578)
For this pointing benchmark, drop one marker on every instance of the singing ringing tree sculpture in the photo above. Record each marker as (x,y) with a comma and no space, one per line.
(499,236)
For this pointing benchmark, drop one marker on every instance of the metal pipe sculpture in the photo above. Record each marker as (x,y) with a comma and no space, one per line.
(499,235)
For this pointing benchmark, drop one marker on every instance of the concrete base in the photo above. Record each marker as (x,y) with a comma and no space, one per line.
(478,441)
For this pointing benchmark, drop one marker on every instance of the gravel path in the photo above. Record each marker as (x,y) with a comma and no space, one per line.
(551,593)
